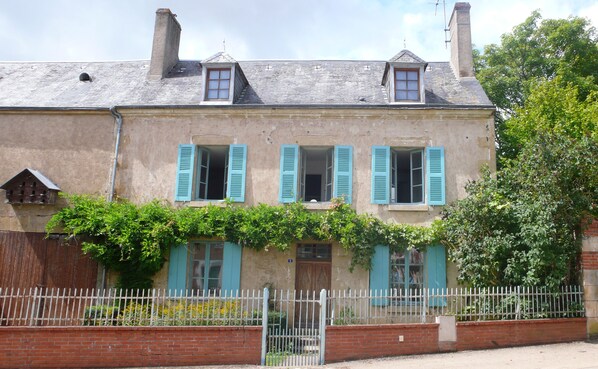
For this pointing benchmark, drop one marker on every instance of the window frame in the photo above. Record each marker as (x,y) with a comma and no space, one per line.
(219,80)
(394,175)
(200,151)
(396,71)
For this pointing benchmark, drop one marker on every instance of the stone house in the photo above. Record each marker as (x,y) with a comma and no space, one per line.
(396,138)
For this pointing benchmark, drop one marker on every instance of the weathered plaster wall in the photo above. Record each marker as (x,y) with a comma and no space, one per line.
(73,149)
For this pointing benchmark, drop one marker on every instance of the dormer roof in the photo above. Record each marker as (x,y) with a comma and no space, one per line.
(406,56)
(221,57)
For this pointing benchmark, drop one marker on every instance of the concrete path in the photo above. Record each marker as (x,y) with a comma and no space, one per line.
(577,355)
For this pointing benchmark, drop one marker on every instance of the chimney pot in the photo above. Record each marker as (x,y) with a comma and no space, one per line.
(165,48)
(461,49)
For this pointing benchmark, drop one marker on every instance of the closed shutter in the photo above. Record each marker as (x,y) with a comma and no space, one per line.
(177,269)
(343,172)
(231,268)
(184,174)
(380,275)
(435,175)
(380,174)
(436,273)
(289,158)
(236,173)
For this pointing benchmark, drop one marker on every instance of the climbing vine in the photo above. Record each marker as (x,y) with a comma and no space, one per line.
(134,239)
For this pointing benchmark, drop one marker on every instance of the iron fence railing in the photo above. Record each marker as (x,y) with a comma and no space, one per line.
(466,304)
(68,307)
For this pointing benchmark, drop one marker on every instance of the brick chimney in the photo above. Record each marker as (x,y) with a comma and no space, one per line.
(165,49)
(460,29)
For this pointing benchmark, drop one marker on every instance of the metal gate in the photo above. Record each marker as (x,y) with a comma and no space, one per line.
(294,326)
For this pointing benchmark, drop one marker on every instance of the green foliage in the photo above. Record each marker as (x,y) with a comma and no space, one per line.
(522,227)
(564,50)
(133,239)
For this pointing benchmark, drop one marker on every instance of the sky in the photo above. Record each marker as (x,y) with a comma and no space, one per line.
(100,30)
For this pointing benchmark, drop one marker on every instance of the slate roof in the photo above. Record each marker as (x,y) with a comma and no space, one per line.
(336,83)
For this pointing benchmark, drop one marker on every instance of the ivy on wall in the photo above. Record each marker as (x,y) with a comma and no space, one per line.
(134,239)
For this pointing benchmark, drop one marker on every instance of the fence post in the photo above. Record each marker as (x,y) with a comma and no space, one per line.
(322,326)
(265,325)
(33,312)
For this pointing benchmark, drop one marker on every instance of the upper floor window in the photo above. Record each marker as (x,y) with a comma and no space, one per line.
(312,173)
(408,176)
(211,172)
(407,85)
(218,84)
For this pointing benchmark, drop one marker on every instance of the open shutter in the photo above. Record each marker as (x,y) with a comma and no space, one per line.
(237,165)
(436,273)
(289,160)
(380,274)
(184,174)
(435,175)
(231,268)
(343,172)
(380,174)
(177,269)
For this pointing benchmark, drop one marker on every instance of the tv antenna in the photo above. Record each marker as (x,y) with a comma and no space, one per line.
(446,29)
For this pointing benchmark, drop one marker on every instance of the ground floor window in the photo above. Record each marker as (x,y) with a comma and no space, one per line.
(407,270)
(205,271)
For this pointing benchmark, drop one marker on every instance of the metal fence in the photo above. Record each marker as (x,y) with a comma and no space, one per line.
(74,307)
(466,304)
(112,307)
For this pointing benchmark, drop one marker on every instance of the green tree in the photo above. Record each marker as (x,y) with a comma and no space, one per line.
(523,226)
(565,50)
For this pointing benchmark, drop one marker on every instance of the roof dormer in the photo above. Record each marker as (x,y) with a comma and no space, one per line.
(404,78)
(222,79)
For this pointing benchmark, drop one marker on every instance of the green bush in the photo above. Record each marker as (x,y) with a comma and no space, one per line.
(100,315)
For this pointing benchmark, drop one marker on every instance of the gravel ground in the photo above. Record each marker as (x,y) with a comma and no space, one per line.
(576,355)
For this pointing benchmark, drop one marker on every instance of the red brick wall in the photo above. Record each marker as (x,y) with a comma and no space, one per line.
(592,230)
(589,260)
(368,341)
(505,333)
(92,347)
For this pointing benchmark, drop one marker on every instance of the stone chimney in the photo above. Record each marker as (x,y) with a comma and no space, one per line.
(165,49)
(460,29)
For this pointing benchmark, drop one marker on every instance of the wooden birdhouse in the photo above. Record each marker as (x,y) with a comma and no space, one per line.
(30,187)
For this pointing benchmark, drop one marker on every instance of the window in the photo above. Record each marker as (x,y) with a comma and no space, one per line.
(407,270)
(315,173)
(205,267)
(408,176)
(218,84)
(211,173)
(407,85)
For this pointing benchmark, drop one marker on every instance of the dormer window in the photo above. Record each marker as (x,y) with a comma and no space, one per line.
(407,85)
(218,84)
(404,79)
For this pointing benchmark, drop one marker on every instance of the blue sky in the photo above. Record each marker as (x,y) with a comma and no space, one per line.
(92,30)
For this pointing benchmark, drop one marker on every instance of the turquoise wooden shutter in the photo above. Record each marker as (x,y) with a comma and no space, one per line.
(380,174)
(436,273)
(231,268)
(177,269)
(380,274)
(289,162)
(343,172)
(435,175)
(184,174)
(237,166)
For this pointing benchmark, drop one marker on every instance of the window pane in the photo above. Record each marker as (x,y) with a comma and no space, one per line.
(225,74)
(223,94)
(417,177)
(416,257)
(212,94)
(401,95)
(416,160)
(412,75)
(415,277)
(412,85)
(214,74)
(224,84)
(417,194)
(212,85)
(216,251)
(401,75)
(412,95)
(401,85)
